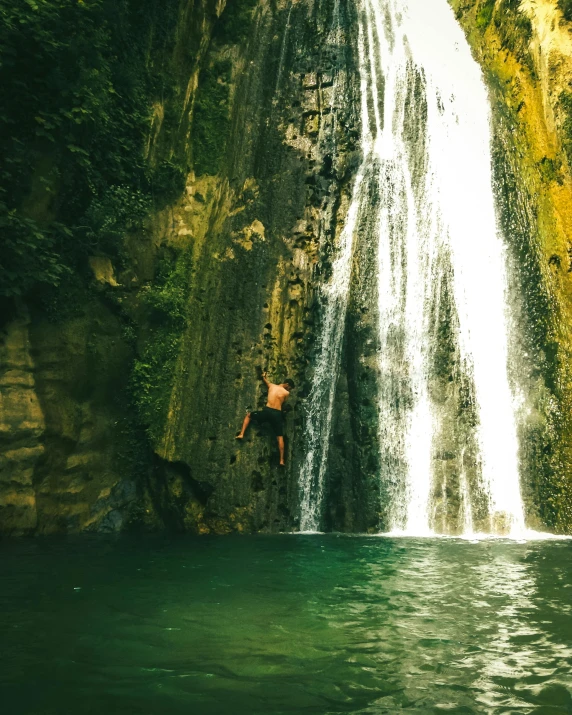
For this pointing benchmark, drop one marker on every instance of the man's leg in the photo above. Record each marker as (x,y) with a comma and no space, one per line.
(244,426)
(281,448)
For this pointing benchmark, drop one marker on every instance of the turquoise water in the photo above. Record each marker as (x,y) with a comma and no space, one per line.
(285,624)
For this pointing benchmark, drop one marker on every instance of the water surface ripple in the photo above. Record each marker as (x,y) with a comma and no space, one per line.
(287,624)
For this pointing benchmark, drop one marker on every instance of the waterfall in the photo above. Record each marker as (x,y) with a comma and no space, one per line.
(334,298)
(439,250)
(447,427)
(321,399)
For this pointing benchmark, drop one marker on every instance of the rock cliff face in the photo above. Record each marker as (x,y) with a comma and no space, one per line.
(22,428)
(74,454)
(259,234)
(123,411)
(119,408)
(524,49)
(64,465)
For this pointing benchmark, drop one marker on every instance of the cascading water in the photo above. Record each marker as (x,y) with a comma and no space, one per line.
(334,296)
(321,399)
(438,241)
(447,428)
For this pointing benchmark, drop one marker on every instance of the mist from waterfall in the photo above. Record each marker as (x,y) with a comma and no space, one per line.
(447,427)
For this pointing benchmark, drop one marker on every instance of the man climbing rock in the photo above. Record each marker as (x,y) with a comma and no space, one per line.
(272,413)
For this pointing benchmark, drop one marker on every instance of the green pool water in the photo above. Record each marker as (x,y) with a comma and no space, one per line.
(285,624)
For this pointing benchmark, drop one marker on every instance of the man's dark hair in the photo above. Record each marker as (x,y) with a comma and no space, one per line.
(289,381)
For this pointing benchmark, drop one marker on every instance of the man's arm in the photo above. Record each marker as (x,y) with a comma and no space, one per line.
(266,380)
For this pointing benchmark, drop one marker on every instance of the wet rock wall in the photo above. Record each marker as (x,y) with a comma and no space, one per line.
(256,235)
(524,50)
(273,214)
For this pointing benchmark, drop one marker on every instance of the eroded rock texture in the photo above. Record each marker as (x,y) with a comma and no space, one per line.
(22,427)
(256,233)
(257,225)
(524,49)
(260,234)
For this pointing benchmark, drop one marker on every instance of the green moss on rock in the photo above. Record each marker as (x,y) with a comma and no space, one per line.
(211,122)
(566,7)
(485,14)
(80,80)
(165,305)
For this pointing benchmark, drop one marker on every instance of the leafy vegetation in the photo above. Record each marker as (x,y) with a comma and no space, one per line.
(566,7)
(550,169)
(211,123)
(565,103)
(510,15)
(166,305)
(78,87)
(80,78)
(485,14)
(83,83)
(235,22)
(109,215)
(515,31)
(166,301)
(513,26)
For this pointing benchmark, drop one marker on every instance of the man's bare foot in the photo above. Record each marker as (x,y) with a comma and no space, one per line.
(282,464)
(239,436)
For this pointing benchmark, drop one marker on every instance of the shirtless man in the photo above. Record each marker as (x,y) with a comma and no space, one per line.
(272,413)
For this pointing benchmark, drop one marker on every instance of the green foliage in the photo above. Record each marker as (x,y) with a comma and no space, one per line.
(512,24)
(515,31)
(235,22)
(211,120)
(550,169)
(77,86)
(79,78)
(168,181)
(485,14)
(511,15)
(68,300)
(133,454)
(166,307)
(566,7)
(565,103)
(524,27)
(211,123)
(116,210)
(166,300)
(28,253)
(151,381)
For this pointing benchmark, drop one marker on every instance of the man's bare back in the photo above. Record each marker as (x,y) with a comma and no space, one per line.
(277,395)
(272,413)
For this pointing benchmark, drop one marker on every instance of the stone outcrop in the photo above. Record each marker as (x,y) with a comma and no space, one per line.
(22,427)
(64,464)
(258,234)
(524,50)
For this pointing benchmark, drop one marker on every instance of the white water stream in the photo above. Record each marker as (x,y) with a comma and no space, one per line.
(426,153)
(334,296)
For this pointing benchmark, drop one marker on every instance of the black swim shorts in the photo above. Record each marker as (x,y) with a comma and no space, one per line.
(269,416)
